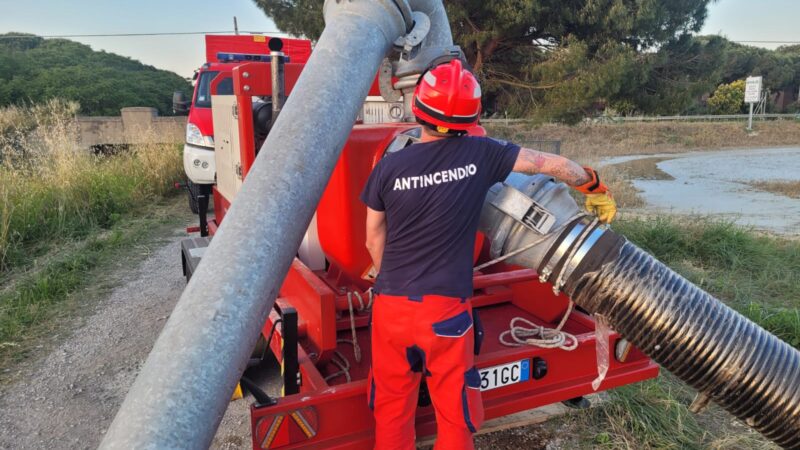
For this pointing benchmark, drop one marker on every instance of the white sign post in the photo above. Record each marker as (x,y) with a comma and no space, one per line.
(752,95)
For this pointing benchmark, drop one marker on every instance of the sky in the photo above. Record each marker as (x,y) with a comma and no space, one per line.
(739,20)
(754,20)
(180,54)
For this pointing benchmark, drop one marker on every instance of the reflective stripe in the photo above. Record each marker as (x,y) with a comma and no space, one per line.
(301,422)
(272,431)
(430,78)
(441,116)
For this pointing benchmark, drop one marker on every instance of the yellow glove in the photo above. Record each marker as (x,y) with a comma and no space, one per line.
(599,200)
(602,205)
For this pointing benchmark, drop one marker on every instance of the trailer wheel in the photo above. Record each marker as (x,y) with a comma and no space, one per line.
(194,192)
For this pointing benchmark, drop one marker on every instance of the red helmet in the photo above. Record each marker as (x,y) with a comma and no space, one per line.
(448,97)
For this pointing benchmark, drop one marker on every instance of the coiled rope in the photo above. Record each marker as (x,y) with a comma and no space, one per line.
(538,335)
(529,333)
(342,362)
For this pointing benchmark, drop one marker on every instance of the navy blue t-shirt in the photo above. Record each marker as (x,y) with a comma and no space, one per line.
(432,194)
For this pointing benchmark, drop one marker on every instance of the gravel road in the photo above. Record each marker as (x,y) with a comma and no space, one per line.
(67,397)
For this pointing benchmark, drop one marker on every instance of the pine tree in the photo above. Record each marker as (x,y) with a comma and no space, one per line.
(563,59)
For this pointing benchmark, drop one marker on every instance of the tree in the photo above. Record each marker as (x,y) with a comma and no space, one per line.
(728,98)
(33,69)
(560,58)
(297,17)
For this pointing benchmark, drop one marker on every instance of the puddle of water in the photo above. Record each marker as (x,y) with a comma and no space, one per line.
(713,183)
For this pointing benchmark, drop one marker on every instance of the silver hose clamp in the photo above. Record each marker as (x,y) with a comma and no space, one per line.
(586,245)
(572,263)
(561,250)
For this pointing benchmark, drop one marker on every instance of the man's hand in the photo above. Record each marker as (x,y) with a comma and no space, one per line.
(602,205)
(599,200)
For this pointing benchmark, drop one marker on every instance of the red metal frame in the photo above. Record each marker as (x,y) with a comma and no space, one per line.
(334,414)
(569,374)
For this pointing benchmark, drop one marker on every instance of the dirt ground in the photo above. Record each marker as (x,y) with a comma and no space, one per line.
(67,397)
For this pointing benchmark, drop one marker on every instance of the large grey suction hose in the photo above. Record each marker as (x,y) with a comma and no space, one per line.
(184,387)
(723,355)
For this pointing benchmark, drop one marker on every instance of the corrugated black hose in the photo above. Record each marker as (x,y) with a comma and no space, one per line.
(739,365)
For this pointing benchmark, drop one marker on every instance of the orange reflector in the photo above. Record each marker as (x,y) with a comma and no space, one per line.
(275,431)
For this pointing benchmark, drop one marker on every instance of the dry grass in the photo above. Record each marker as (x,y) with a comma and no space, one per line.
(586,142)
(643,169)
(51,189)
(788,188)
(65,211)
(620,184)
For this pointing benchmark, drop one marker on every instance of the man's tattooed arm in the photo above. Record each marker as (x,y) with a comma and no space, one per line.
(532,162)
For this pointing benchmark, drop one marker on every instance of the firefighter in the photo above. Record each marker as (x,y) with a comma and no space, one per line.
(423,205)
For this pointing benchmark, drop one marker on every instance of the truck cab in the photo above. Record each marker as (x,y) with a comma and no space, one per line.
(223,54)
(198,150)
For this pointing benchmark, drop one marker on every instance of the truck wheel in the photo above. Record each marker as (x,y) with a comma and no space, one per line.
(194,192)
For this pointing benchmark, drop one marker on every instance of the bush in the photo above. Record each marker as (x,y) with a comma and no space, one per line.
(728,98)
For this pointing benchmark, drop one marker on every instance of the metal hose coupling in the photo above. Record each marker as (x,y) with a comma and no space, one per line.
(724,356)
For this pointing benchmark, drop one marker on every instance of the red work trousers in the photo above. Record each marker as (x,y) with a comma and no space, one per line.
(430,336)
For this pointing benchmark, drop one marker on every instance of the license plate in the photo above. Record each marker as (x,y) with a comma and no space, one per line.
(505,374)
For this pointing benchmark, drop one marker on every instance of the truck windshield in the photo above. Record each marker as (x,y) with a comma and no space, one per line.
(203,97)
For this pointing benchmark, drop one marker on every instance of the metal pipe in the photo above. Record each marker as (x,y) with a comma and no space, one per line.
(439,42)
(742,367)
(440,35)
(278,84)
(184,387)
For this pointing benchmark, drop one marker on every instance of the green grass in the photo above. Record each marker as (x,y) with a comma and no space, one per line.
(51,190)
(30,303)
(65,213)
(755,274)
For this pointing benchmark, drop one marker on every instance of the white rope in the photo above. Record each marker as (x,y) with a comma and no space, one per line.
(371,298)
(356,347)
(342,362)
(538,335)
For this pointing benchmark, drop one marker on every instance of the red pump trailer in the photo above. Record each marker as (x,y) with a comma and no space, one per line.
(320,310)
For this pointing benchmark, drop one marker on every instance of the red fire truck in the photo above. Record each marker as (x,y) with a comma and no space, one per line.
(318,329)
(223,53)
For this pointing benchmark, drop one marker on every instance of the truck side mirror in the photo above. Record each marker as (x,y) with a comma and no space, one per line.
(180,106)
